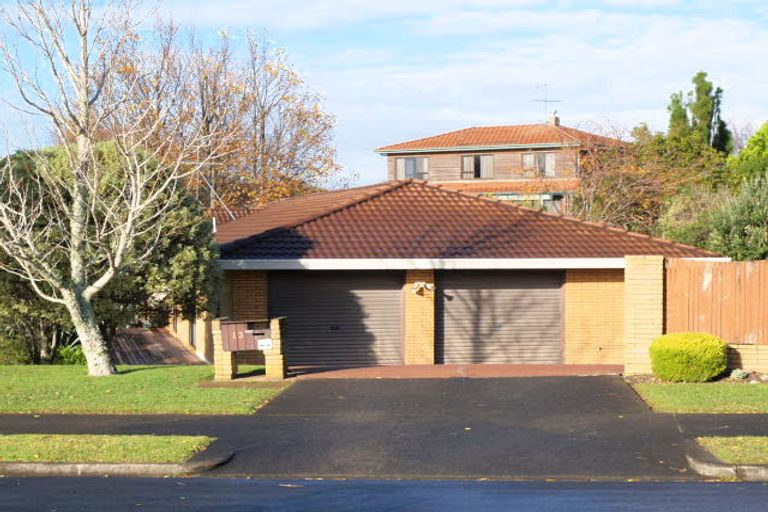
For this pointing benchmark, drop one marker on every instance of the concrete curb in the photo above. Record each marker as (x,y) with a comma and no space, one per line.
(706,464)
(191,467)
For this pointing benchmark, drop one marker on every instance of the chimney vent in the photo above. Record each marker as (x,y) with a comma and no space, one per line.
(554,119)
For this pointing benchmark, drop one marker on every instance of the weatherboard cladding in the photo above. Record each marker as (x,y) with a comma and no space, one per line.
(413,219)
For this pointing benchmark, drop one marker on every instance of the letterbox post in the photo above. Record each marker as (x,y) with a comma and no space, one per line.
(224,362)
(274,359)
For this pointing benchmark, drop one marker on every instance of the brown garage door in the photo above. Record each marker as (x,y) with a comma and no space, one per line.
(499,317)
(344,318)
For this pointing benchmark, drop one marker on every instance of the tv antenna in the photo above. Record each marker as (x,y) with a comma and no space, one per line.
(545,100)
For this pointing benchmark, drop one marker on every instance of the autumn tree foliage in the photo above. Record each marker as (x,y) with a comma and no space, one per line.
(628,184)
(283,141)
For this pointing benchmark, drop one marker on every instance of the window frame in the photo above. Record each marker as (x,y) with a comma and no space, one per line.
(540,163)
(423,175)
(477,166)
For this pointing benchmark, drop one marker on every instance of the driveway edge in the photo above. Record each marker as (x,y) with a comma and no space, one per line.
(191,467)
(706,464)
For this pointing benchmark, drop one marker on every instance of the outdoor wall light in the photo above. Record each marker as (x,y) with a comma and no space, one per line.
(419,287)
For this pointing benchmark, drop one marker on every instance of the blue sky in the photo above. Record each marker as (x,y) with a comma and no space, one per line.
(400,69)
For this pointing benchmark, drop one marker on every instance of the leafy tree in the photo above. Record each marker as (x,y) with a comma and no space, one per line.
(178,276)
(76,224)
(679,125)
(752,160)
(739,228)
(700,114)
(731,223)
(628,185)
(688,215)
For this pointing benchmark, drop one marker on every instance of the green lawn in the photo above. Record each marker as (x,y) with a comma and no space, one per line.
(139,389)
(737,450)
(712,397)
(91,448)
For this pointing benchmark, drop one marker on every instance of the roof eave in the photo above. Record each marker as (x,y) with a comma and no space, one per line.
(421,263)
(493,147)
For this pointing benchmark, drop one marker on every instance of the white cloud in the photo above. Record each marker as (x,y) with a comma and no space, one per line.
(624,76)
(313,14)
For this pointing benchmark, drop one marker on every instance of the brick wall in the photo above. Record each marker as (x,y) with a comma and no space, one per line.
(419,318)
(594,316)
(247,291)
(644,309)
(748,357)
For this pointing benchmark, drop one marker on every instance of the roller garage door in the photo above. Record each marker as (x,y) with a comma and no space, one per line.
(499,317)
(339,318)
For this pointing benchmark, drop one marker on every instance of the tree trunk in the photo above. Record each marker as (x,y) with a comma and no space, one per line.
(94,345)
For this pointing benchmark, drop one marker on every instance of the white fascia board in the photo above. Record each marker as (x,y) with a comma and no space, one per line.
(422,264)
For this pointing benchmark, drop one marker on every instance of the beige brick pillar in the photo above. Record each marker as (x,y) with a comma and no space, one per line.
(643,309)
(203,338)
(274,359)
(419,317)
(224,363)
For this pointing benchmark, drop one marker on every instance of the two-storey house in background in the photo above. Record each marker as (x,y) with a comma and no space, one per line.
(534,164)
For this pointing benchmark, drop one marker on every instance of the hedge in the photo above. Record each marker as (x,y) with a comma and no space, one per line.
(689,357)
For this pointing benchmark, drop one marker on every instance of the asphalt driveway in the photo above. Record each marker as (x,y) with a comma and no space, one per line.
(549,427)
(508,428)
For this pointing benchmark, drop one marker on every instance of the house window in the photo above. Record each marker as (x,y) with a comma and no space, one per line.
(412,168)
(476,167)
(543,163)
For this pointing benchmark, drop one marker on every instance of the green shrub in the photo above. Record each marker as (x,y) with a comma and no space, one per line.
(13,351)
(689,357)
(71,354)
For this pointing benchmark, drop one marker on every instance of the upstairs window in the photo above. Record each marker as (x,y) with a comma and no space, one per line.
(543,163)
(476,167)
(412,168)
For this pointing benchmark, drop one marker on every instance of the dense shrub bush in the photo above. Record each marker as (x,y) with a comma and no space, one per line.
(71,354)
(689,357)
(13,351)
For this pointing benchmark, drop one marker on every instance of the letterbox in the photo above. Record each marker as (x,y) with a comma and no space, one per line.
(244,334)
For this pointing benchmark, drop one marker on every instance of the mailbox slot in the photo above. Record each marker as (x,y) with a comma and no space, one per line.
(244,334)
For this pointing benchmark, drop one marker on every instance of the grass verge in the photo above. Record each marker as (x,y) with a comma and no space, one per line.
(137,390)
(737,450)
(142,449)
(711,397)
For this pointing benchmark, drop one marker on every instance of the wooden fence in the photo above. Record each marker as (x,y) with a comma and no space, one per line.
(728,299)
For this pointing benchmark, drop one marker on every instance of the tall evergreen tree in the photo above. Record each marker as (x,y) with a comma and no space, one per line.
(700,114)
(679,126)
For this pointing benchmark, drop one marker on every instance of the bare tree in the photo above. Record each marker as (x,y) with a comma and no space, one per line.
(72,223)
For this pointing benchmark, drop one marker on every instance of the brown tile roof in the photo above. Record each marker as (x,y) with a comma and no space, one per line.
(500,136)
(293,211)
(224,215)
(413,219)
(510,186)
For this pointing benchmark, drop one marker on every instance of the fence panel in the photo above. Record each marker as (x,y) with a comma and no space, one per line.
(728,299)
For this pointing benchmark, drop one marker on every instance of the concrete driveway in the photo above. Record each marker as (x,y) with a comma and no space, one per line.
(548,427)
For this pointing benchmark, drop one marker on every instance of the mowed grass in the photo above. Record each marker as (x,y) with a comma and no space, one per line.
(737,450)
(142,449)
(137,390)
(712,397)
